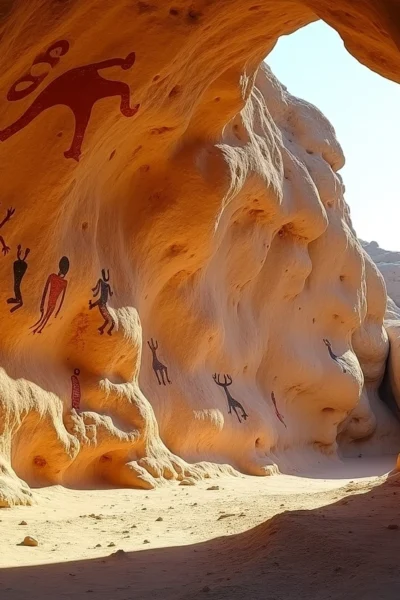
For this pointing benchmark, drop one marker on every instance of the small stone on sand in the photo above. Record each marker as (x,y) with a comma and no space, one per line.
(29,541)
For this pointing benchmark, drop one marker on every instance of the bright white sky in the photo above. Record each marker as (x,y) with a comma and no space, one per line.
(364,109)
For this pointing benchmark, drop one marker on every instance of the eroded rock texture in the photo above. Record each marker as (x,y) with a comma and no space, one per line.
(194,290)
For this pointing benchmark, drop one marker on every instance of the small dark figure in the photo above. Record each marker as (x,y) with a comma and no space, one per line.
(6,249)
(158,367)
(76,390)
(104,289)
(20,266)
(333,356)
(58,286)
(232,403)
(278,414)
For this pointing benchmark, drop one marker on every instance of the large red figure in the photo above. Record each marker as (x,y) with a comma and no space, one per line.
(56,285)
(78,89)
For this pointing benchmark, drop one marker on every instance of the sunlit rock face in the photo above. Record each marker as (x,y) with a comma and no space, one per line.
(183,291)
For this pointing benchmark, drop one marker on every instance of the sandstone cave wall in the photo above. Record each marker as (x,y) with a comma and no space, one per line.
(185,218)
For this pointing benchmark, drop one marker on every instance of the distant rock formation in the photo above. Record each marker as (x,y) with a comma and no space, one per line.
(389,265)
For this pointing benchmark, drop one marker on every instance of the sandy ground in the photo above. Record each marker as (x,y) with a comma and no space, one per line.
(256,538)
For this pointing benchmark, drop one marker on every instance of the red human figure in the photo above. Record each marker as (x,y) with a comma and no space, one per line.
(75,390)
(278,414)
(56,285)
(9,214)
(78,89)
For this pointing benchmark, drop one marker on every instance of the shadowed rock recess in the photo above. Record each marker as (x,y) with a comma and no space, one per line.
(194,300)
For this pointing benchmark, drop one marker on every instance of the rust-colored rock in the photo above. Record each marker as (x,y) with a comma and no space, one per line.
(29,541)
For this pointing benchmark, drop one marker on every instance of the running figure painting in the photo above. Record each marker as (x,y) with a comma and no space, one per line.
(9,214)
(56,286)
(19,268)
(103,290)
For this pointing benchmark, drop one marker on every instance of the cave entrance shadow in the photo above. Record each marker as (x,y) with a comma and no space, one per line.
(347,468)
(349,549)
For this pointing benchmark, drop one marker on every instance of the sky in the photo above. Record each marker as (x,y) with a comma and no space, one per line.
(364,109)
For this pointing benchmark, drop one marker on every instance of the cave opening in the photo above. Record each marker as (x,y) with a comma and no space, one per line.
(362,107)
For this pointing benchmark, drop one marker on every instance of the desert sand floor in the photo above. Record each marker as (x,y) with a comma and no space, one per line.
(334,536)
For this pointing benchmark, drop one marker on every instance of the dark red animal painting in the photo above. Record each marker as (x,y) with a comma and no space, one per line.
(51,57)
(78,89)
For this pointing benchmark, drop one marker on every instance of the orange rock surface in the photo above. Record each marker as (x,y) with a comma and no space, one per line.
(184,218)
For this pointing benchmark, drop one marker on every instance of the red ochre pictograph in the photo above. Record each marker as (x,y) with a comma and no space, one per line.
(78,89)
(103,290)
(75,390)
(50,57)
(278,414)
(56,286)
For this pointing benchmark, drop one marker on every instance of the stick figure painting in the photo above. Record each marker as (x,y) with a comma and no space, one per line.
(20,266)
(159,368)
(56,286)
(103,290)
(232,403)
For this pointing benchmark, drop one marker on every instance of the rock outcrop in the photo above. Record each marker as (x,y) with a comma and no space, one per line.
(388,263)
(183,292)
